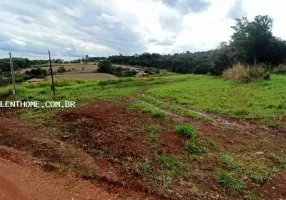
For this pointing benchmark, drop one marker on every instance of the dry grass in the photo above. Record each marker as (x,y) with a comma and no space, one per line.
(83,76)
(246,73)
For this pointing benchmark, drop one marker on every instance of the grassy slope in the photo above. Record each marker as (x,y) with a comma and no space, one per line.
(260,100)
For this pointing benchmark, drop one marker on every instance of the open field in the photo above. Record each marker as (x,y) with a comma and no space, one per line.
(72,67)
(82,76)
(91,67)
(163,137)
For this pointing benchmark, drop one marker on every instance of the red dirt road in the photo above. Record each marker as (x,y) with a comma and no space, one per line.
(20,182)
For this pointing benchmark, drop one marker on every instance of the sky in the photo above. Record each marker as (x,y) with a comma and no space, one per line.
(71,29)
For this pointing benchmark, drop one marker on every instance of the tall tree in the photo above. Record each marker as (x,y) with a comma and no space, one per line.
(251,40)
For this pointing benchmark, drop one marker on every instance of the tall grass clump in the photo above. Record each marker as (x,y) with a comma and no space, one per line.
(186,130)
(281,69)
(242,73)
(193,144)
(229,182)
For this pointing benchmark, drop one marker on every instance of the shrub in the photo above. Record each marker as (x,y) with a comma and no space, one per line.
(36,73)
(246,73)
(61,69)
(105,66)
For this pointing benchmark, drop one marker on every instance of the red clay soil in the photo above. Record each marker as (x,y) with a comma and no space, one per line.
(116,129)
(20,182)
(110,140)
(35,179)
(274,188)
(114,136)
(117,134)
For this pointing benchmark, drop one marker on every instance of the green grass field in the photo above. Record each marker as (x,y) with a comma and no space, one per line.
(189,95)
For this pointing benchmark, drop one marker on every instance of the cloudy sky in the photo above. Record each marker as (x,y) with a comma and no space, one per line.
(73,28)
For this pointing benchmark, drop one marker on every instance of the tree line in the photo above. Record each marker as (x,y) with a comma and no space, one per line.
(251,43)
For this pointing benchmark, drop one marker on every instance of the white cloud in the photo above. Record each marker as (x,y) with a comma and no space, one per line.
(105,27)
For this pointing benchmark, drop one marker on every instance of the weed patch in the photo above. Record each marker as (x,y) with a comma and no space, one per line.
(229,182)
(193,146)
(169,162)
(144,169)
(153,137)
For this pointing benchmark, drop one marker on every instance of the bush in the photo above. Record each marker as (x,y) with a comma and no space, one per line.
(246,73)
(105,66)
(61,69)
(36,73)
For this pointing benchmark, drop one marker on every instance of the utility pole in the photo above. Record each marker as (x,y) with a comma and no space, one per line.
(13,75)
(52,74)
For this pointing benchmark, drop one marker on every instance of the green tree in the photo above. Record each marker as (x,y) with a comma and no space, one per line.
(251,39)
(105,66)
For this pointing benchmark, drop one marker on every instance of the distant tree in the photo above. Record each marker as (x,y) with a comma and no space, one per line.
(105,66)
(61,69)
(36,73)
